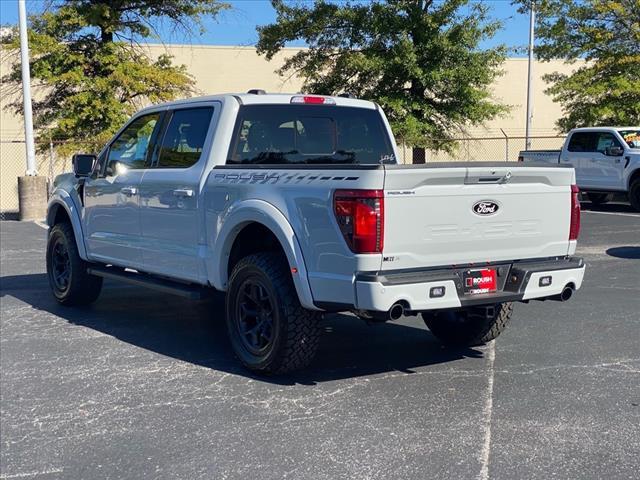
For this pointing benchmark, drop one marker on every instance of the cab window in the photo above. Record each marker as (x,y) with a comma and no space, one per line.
(309,134)
(606,140)
(184,138)
(632,137)
(583,142)
(131,149)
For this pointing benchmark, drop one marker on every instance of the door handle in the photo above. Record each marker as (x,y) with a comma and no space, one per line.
(183,192)
(129,191)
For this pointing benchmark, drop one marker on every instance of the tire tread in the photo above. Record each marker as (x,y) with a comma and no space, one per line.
(302,331)
(84,288)
(481,331)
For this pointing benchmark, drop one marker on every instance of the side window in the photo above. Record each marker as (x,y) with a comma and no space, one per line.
(606,140)
(583,142)
(130,149)
(184,138)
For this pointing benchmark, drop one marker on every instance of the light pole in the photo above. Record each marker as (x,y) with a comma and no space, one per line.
(26,90)
(32,189)
(532,20)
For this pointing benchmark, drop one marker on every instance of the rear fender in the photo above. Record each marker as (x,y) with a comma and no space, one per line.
(258,211)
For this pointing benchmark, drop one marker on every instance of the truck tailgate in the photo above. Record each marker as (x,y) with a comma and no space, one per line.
(467,214)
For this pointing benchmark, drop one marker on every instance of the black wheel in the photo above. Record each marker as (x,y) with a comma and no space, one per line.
(634,195)
(598,198)
(469,326)
(269,330)
(67,272)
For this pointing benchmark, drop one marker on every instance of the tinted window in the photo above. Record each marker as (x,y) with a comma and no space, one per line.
(184,138)
(130,150)
(583,142)
(309,134)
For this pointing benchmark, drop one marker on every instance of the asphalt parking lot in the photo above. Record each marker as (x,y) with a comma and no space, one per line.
(144,385)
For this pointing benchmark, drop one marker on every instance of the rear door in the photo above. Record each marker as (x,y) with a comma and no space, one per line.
(111,213)
(170,201)
(460,215)
(578,153)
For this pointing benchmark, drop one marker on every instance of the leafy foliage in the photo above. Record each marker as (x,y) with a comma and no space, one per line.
(605,33)
(89,69)
(420,60)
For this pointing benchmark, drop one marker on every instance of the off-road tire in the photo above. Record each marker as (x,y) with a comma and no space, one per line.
(80,287)
(295,331)
(598,198)
(634,195)
(468,327)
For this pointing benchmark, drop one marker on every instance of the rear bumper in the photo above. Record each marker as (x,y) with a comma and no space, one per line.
(517,281)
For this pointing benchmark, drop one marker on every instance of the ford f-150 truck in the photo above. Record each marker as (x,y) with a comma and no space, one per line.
(294,205)
(606,160)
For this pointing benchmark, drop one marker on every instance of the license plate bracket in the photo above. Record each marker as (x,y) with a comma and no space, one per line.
(483,280)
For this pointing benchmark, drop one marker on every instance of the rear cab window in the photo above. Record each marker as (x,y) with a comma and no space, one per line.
(583,142)
(309,134)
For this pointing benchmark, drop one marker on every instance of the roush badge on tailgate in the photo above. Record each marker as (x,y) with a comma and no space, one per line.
(485,208)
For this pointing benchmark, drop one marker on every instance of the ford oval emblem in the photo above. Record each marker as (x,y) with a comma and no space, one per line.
(485,207)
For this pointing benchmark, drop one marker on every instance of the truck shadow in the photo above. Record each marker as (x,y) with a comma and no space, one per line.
(608,207)
(195,332)
(629,253)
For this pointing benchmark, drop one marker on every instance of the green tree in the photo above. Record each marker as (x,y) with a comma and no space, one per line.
(419,59)
(606,34)
(89,70)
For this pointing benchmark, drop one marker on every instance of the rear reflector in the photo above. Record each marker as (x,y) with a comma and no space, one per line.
(574,228)
(313,99)
(360,216)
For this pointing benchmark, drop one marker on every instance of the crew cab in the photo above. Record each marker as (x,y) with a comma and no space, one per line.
(295,206)
(606,160)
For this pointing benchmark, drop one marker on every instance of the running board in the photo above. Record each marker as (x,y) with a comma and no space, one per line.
(191,291)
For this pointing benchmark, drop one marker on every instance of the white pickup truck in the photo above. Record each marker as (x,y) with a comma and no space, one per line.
(606,160)
(294,205)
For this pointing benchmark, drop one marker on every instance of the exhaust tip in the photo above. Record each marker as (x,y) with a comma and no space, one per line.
(396,311)
(566,294)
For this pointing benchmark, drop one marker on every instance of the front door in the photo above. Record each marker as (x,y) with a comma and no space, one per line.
(171,213)
(112,214)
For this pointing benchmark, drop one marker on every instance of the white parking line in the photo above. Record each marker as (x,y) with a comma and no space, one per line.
(614,213)
(31,474)
(487,412)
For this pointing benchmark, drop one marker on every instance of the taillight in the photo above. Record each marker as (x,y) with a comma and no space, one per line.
(574,228)
(360,216)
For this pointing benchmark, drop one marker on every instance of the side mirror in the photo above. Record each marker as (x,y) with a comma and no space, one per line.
(614,151)
(83,164)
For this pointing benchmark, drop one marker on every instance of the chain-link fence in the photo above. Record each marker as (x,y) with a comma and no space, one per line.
(51,162)
(13,164)
(478,149)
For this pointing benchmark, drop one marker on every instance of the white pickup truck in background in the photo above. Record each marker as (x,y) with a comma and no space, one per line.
(294,205)
(606,160)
